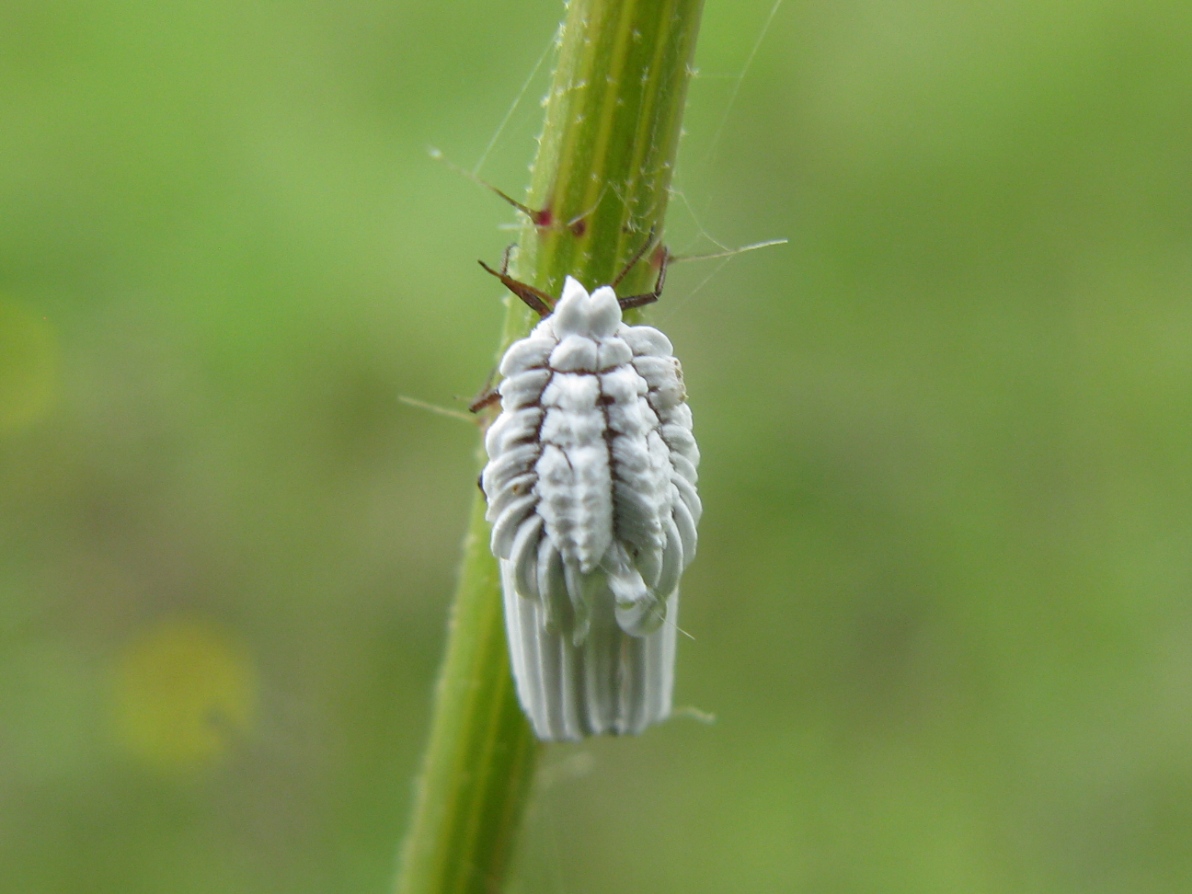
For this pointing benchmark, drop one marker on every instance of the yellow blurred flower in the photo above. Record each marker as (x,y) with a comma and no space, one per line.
(185,693)
(28,367)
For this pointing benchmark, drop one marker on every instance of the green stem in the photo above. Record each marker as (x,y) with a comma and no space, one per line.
(600,186)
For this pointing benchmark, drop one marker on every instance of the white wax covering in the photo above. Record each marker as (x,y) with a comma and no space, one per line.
(591,492)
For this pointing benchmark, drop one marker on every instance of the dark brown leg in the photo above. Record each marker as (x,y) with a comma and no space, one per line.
(485,398)
(506,255)
(536,299)
(488,394)
(632,261)
(630,301)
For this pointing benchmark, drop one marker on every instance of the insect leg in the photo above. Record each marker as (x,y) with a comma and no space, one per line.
(649,297)
(632,261)
(485,398)
(505,256)
(488,394)
(536,299)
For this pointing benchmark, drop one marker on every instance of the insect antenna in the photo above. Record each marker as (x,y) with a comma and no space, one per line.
(729,252)
(435,408)
(707,718)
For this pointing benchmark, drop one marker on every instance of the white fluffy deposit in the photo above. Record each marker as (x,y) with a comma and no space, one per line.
(591,491)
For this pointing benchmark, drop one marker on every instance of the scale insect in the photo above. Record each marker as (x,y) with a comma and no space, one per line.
(591,492)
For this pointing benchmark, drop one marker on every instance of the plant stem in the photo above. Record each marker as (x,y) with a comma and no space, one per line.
(599,189)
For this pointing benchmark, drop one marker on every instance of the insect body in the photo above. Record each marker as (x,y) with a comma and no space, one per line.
(591,491)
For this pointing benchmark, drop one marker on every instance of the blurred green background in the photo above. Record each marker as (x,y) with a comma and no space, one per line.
(942,605)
